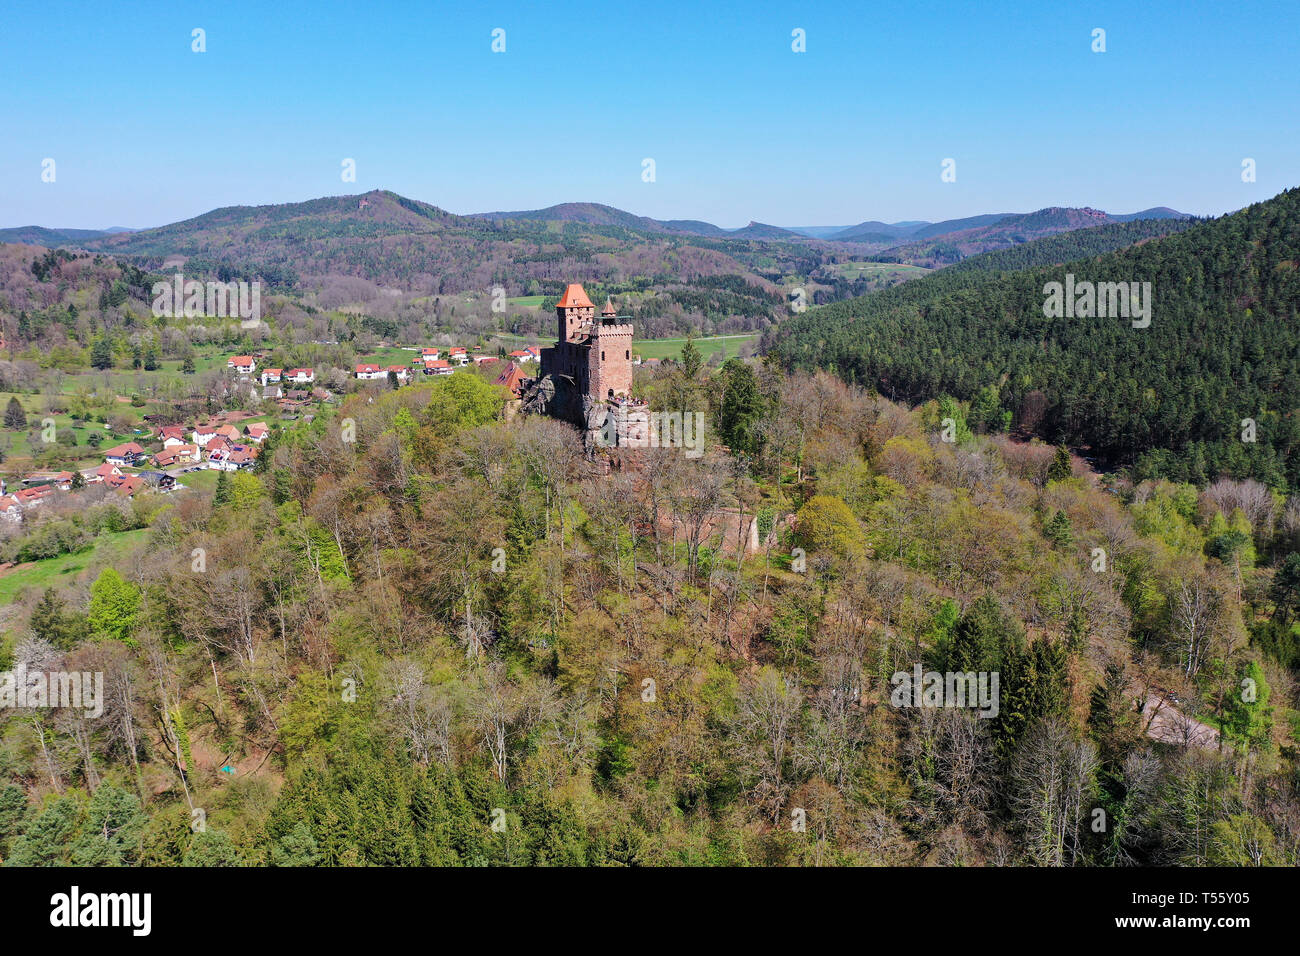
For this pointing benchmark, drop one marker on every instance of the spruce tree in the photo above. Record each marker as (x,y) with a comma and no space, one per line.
(222,495)
(1060,468)
(15,416)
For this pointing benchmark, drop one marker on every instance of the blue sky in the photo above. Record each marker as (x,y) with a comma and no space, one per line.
(144,131)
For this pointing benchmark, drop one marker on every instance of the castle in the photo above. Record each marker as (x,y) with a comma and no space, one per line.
(586,376)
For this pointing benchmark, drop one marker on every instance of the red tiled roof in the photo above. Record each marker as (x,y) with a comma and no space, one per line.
(512,378)
(575,297)
(121,451)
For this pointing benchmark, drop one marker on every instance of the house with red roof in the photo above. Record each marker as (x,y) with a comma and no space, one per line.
(128,485)
(243,364)
(126,454)
(177,456)
(512,378)
(257,432)
(232,458)
(301,376)
(370,372)
(30,497)
(441,367)
(272,376)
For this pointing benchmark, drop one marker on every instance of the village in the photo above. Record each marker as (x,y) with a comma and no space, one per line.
(161,454)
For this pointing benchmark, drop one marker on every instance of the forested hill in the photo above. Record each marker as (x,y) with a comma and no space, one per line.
(1069,246)
(1223,346)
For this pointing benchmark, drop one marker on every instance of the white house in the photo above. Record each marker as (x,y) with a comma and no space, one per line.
(371,372)
(243,364)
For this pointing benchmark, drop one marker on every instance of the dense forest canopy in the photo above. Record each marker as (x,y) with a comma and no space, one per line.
(422,634)
(1170,400)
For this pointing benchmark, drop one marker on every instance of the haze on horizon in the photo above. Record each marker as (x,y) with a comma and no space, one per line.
(144,131)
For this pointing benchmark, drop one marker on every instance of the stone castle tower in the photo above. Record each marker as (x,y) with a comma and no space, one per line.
(586,376)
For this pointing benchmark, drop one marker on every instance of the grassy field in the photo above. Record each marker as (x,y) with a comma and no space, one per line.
(730,345)
(66,568)
(205,480)
(390,355)
(880,270)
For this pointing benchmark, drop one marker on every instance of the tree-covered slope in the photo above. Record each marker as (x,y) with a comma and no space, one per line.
(1223,346)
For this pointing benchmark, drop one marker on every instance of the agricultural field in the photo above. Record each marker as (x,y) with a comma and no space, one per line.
(879,271)
(729,345)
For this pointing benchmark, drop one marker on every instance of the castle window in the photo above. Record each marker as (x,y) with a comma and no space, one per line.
(602,355)
(627,353)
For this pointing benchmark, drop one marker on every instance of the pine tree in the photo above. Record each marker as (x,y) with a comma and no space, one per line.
(692,360)
(1060,468)
(1058,530)
(101,353)
(222,495)
(15,416)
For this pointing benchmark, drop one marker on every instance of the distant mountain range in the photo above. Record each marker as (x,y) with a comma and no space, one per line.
(403,243)
(873,232)
(41,236)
